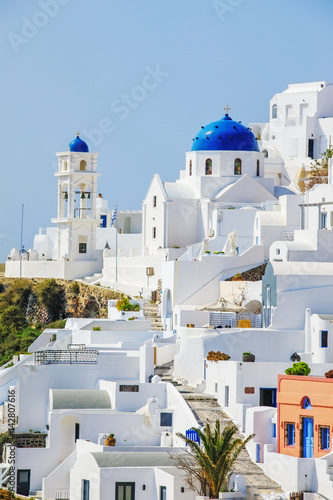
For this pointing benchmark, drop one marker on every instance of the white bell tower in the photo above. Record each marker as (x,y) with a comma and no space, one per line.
(77,190)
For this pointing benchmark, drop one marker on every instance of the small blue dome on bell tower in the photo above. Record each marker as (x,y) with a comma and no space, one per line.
(78,145)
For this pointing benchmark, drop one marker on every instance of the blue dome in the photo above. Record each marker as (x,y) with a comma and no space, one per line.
(78,146)
(225,135)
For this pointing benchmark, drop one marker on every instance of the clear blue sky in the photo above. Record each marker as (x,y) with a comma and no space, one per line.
(66,65)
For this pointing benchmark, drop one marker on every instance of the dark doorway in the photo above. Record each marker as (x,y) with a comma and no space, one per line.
(23,482)
(268,397)
(311,148)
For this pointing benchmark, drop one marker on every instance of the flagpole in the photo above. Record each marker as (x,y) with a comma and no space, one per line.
(116,245)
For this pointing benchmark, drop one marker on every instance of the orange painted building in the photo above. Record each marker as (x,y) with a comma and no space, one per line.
(305,416)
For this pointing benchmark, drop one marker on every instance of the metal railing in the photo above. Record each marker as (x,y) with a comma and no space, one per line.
(68,357)
(231,319)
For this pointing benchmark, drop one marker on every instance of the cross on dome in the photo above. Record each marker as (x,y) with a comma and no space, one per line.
(226,109)
(77,134)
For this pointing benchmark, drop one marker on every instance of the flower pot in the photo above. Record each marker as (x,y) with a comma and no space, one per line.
(249,358)
(110,441)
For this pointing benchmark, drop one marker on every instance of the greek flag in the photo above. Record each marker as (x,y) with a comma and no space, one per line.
(114,217)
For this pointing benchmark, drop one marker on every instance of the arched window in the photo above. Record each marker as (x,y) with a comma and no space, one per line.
(306,404)
(83,165)
(209,167)
(258,168)
(274,111)
(238,167)
(190,169)
(64,166)
(265,153)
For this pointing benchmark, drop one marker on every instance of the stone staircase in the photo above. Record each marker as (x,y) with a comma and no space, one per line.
(206,408)
(150,310)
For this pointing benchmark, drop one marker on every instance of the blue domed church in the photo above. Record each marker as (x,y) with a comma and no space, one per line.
(220,189)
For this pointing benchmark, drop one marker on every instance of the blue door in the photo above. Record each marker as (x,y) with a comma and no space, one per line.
(307,437)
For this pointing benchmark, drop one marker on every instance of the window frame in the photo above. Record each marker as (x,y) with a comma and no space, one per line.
(258,168)
(274,111)
(190,169)
(322,337)
(124,484)
(85,489)
(154,201)
(324,441)
(209,166)
(289,434)
(154,232)
(82,249)
(238,166)
(163,492)
(168,415)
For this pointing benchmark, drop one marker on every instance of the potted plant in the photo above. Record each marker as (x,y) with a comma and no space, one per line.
(237,277)
(248,357)
(110,440)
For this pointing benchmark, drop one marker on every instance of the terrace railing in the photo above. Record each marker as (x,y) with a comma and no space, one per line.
(67,357)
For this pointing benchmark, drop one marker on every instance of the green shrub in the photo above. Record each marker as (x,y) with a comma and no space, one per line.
(300,368)
(125,305)
(75,288)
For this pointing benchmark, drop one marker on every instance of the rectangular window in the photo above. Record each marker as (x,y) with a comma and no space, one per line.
(226,396)
(103,221)
(274,430)
(128,388)
(163,493)
(166,420)
(154,232)
(323,218)
(289,434)
(125,491)
(324,338)
(324,437)
(77,431)
(154,201)
(82,247)
(85,489)
(258,453)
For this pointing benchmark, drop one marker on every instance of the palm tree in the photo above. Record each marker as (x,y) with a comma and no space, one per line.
(211,461)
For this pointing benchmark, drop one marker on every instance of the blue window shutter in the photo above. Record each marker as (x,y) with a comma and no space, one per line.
(274,430)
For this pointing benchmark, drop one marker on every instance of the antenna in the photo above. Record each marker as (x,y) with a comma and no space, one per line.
(21,245)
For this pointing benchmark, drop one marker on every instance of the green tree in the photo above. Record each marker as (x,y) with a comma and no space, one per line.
(210,462)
